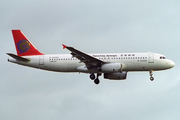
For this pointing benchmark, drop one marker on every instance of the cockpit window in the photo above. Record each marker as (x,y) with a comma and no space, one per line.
(162,57)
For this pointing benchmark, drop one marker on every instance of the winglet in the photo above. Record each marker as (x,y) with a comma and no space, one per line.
(64,46)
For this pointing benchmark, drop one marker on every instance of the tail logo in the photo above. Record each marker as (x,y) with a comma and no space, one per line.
(23,45)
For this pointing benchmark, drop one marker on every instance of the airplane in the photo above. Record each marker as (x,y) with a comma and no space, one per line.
(113,66)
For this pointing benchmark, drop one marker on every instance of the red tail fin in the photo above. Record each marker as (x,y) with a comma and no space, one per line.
(23,46)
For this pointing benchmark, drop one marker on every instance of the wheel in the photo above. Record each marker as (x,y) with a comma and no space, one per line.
(96,81)
(92,76)
(151,78)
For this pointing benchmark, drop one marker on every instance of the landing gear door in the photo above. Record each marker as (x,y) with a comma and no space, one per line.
(41,60)
(151,58)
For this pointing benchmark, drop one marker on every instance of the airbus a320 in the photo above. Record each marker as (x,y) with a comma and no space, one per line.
(113,66)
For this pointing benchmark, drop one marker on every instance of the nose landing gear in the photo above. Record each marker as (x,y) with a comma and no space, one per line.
(151,73)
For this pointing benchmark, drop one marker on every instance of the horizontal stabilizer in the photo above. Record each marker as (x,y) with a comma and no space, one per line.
(18,57)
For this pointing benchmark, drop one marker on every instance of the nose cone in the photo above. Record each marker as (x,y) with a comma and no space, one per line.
(172,64)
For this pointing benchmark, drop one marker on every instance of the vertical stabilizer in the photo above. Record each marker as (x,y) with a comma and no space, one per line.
(23,46)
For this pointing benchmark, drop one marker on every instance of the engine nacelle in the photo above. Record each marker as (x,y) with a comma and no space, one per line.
(116,76)
(113,67)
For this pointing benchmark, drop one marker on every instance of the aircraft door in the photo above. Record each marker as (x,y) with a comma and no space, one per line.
(151,58)
(107,58)
(41,60)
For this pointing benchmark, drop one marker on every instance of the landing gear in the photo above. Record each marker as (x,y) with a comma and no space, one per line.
(92,76)
(96,81)
(151,78)
(151,73)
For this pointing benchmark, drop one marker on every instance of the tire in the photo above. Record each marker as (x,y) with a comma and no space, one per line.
(96,81)
(151,78)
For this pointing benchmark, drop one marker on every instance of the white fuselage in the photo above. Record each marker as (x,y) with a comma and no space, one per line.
(66,63)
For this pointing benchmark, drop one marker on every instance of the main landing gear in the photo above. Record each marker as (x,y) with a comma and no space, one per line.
(151,73)
(92,76)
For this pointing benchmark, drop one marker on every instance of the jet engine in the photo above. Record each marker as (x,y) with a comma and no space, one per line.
(112,67)
(115,76)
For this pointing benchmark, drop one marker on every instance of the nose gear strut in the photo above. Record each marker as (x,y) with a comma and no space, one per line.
(151,73)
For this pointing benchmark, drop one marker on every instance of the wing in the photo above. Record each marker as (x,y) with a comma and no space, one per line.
(89,61)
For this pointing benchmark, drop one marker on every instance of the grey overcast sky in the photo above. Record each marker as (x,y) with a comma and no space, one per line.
(92,26)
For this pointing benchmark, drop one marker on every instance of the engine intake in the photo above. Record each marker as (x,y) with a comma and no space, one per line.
(115,76)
